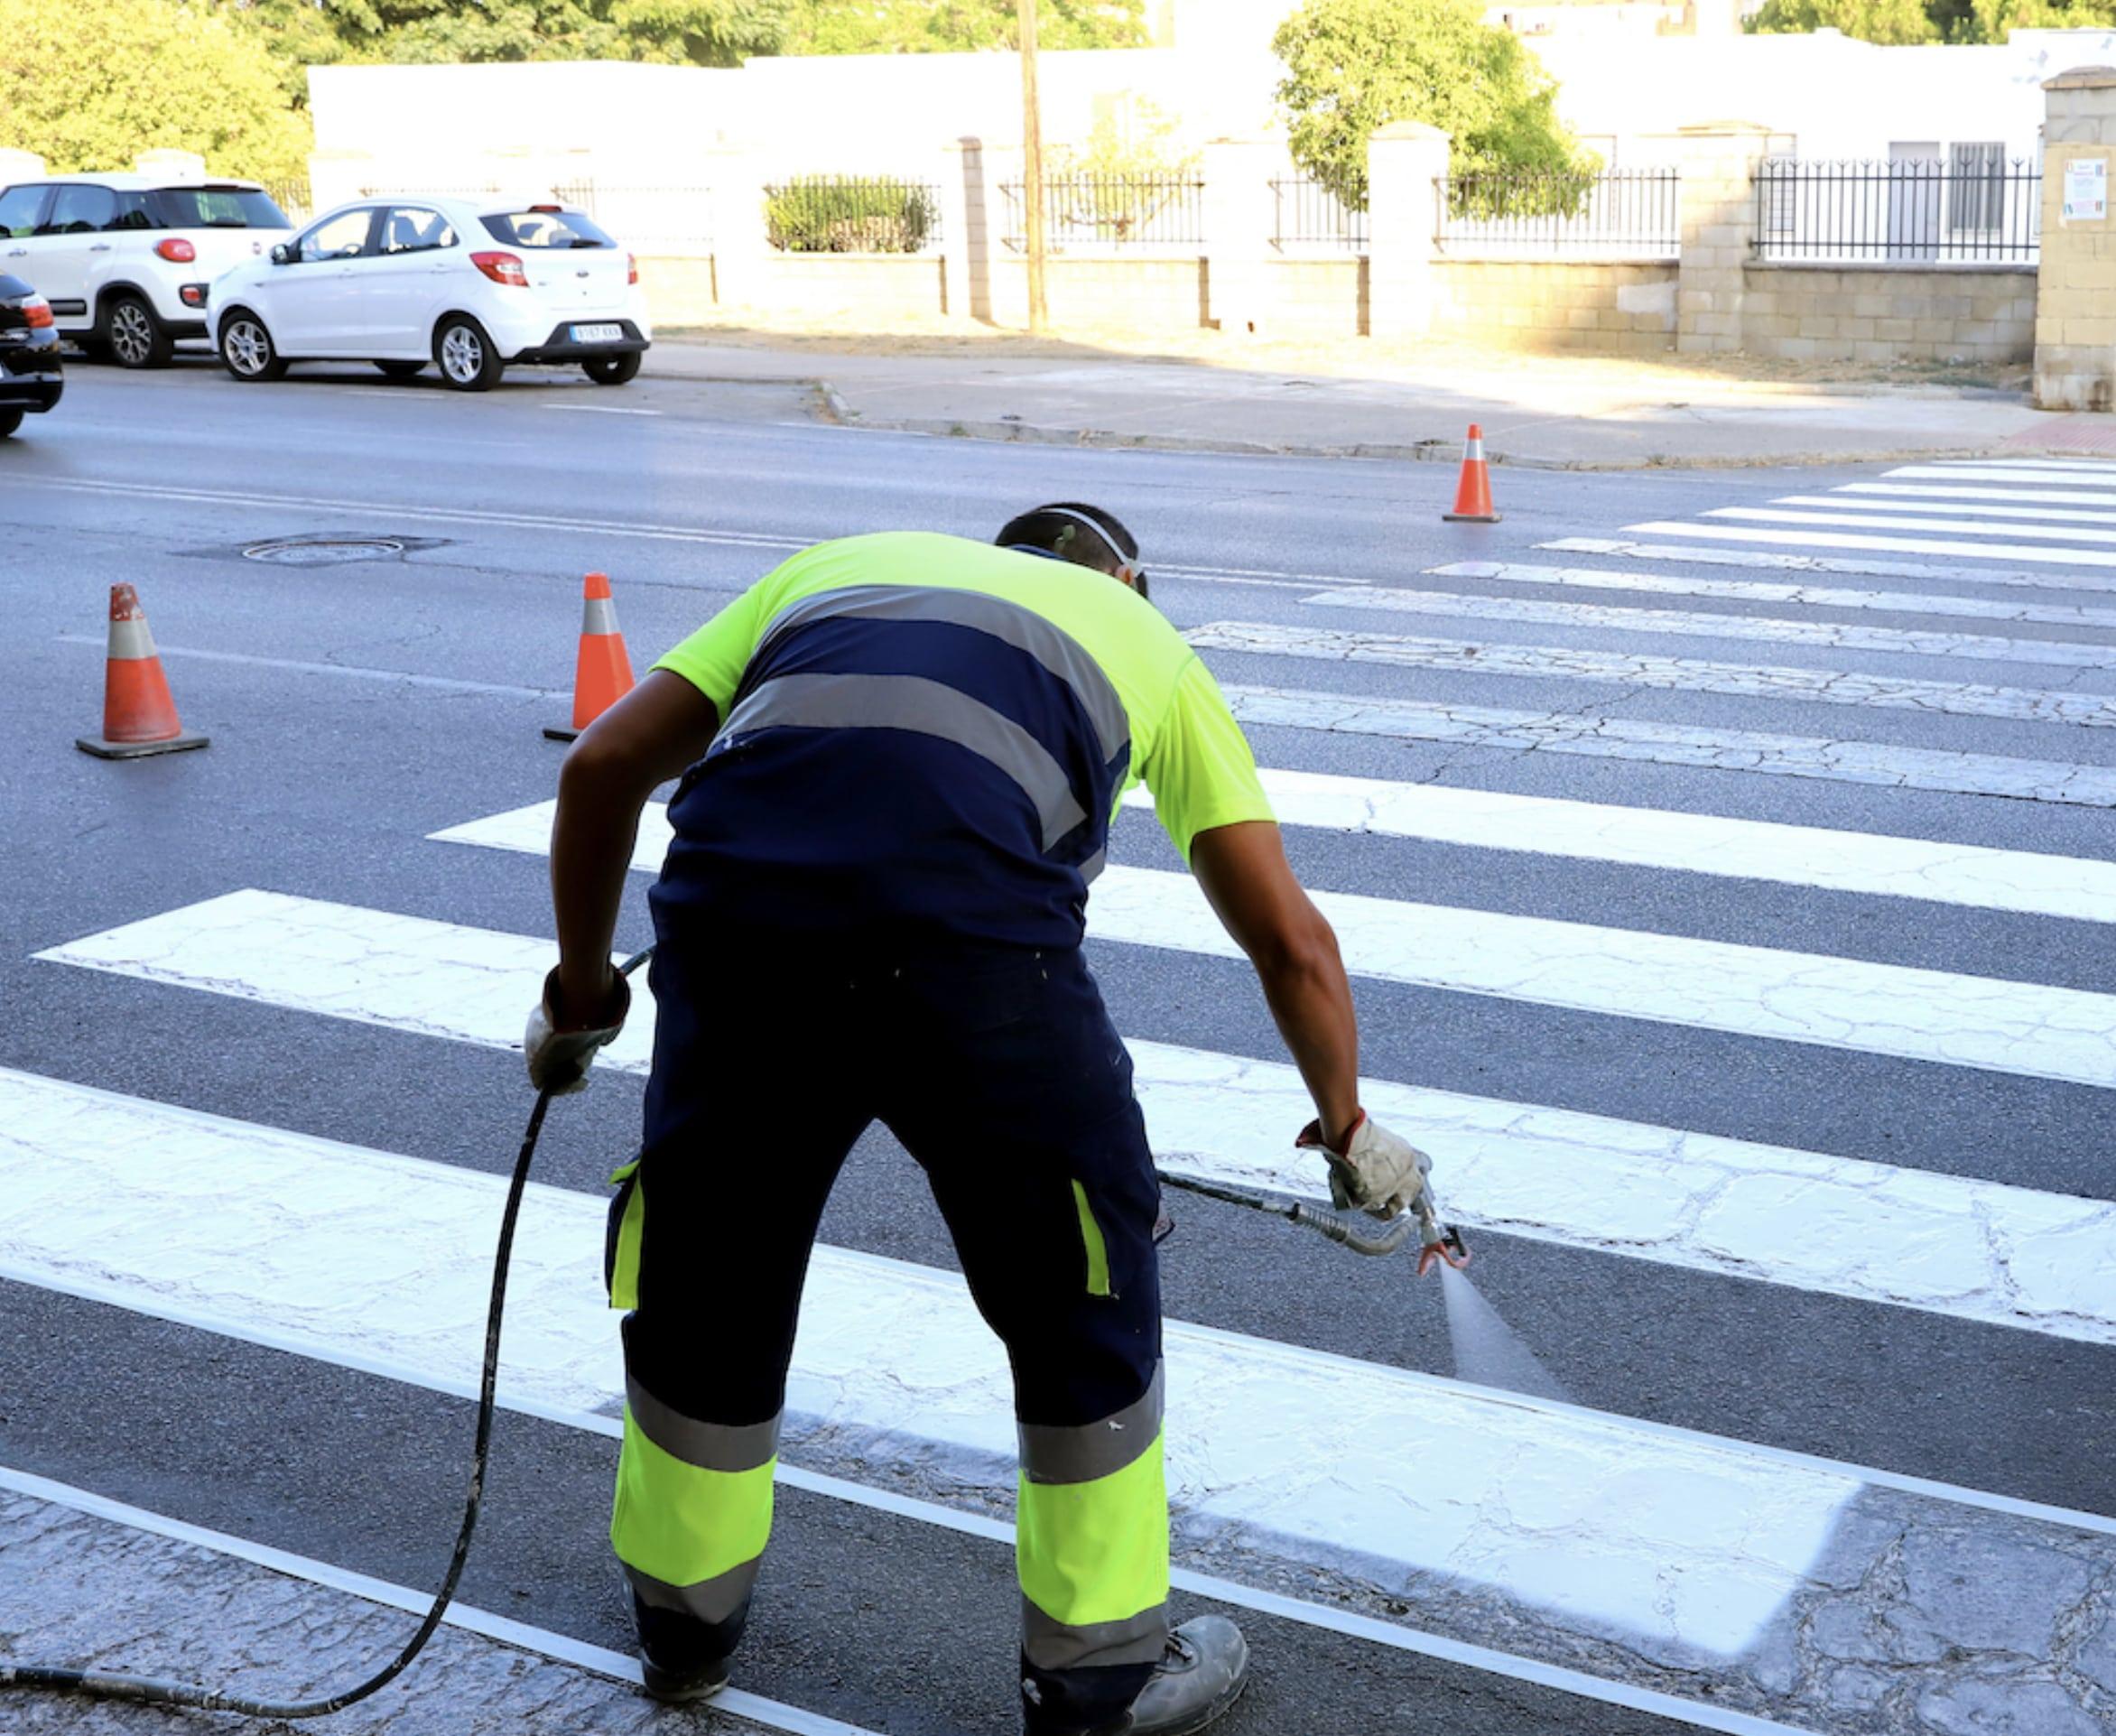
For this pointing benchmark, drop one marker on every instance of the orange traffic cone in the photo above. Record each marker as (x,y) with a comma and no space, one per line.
(139,717)
(603,674)
(1473,493)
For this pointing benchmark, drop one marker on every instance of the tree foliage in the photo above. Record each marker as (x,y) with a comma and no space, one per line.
(1355,66)
(1898,21)
(929,26)
(89,84)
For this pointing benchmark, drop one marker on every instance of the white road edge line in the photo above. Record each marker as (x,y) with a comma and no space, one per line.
(601,410)
(778,1716)
(596,1660)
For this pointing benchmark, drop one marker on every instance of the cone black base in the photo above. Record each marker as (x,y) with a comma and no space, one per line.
(105,749)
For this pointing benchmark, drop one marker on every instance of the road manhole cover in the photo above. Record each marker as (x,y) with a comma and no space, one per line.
(326,551)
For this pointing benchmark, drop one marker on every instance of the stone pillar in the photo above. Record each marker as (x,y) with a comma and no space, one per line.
(1239,220)
(19,165)
(171,165)
(966,239)
(1718,164)
(2075,284)
(1404,161)
(742,255)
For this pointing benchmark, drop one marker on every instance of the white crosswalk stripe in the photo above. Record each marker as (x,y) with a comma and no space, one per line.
(893,1350)
(1843,635)
(1697,675)
(1757,591)
(1681,1549)
(1552,1175)
(1596,735)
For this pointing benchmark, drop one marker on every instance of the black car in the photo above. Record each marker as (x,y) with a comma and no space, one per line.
(29,354)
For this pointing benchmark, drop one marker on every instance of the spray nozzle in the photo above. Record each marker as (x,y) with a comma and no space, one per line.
(1438,1243)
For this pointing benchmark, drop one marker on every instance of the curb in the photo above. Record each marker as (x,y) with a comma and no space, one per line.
(1445,449)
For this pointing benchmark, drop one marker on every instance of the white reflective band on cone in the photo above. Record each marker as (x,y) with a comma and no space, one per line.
(598,617)
(1475,454)
(130,641)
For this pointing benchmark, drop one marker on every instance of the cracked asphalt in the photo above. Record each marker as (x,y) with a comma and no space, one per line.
(356,707)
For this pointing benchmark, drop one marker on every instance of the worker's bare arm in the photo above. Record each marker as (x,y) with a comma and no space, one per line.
(652,734)
(1248,882)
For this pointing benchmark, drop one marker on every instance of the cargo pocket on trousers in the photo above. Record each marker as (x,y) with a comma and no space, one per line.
(621,1240)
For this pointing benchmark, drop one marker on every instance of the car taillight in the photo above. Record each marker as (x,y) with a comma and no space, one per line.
(631,269)
(176,250)
(502,268)
(36,313)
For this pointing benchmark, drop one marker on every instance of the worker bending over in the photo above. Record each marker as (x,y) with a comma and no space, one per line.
(900,756)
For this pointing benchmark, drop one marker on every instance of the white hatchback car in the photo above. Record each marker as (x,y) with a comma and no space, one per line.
(126,259)
(470,284)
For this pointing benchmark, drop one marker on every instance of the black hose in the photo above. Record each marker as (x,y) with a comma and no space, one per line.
(159,1691)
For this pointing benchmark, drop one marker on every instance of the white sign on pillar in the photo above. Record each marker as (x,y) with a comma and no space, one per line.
(2086,190)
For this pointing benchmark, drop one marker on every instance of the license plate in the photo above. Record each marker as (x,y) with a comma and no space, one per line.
(599,334)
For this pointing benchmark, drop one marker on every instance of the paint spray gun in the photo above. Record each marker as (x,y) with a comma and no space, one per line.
(1438,1243)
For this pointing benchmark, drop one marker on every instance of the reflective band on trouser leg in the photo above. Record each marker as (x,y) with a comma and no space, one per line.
(1092,1540)
(693,1507)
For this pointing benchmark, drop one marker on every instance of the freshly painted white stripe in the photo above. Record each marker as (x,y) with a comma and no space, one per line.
(731,1700)
(304,954)
(1999,470)
(601,410)
(1756,590)
(596,1660)
(1941,491)
(1658,1193)
(1916,1015)
(1867,505)
(1776,562)
(145,1205)
(1841,635)
(1670,744)
(1820,539)
(1637,669)
(2027,881)
(1875,519)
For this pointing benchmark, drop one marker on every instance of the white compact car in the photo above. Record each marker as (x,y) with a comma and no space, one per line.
(126,259)
(472,285)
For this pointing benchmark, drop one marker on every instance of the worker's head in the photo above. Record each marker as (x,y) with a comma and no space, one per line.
(1085,535)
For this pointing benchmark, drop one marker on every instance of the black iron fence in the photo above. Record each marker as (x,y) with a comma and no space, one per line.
(294,198)
(852,214)
(1593,213)
(1100,211)
(1308,215)
(1973,206)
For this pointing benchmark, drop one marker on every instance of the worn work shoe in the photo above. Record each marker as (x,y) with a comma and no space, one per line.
(1198,1680)
(681,1659)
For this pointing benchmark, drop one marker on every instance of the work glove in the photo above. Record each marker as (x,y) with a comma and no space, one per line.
(559,1059)
(1378,1171)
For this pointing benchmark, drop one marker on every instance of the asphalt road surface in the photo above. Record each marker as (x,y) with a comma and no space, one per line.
(1729,896)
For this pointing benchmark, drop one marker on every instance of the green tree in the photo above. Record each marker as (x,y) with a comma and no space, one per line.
(1355,66)
(697,32)
(89,84)
(935,26)
(1993,18)
(1892,21)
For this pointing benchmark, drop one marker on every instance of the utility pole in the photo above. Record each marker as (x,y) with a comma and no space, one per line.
(1032,167)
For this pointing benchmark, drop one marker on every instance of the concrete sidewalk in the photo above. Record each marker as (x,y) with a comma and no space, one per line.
(1568,412)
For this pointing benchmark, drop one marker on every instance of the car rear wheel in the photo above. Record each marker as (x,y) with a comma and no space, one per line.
(467,360)
(10,420)
(402,370)
(134,336)
(246,348)
(612,370)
